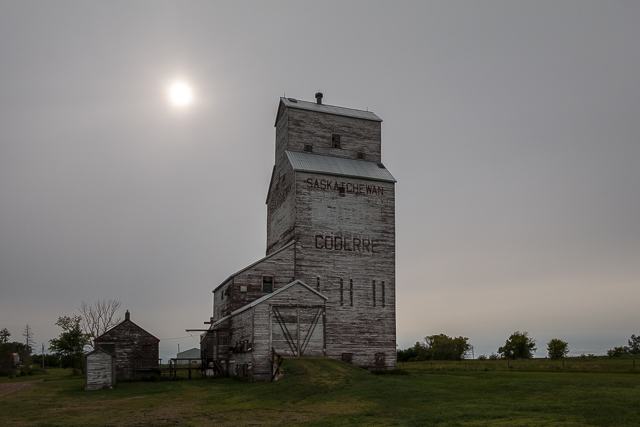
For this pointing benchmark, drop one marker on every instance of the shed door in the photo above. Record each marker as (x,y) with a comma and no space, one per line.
(297,331)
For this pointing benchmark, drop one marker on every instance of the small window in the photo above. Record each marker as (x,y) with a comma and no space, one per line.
(341,292)
(383,293)
(341,191)
(308,148)
(360,155)
(267,283)
(243,289)
(335,140)
(318,283)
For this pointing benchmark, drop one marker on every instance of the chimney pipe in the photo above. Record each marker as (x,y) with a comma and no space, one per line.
(319,98)
(127,316)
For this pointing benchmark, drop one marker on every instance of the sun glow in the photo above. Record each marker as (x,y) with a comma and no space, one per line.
(180,94)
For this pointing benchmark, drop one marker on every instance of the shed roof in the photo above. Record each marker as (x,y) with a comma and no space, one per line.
(254,264)
(327,109)
(271,295)
(309,162)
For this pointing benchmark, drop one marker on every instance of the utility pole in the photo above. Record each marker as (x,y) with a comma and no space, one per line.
(43,356)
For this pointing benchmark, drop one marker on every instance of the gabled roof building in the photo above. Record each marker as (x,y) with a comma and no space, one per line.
(329,270)
(135,350)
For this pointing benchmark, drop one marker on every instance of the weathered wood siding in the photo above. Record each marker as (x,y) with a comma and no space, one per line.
(133,347)
(281,212)
(100,371)
(346,243)
(280,266)
(296,128)
(255,331)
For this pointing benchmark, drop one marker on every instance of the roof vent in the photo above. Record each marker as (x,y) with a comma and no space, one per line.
(292,100)
(319,98)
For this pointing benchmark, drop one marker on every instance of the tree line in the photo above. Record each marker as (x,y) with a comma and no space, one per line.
(68,349)
(519,345)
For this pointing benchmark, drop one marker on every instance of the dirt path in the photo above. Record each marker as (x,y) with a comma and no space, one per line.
(11,387)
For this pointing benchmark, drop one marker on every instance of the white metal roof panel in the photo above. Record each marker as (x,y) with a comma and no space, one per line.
(330,109)
(309,162)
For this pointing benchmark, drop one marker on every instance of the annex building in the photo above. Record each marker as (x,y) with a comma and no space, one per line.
(326,287)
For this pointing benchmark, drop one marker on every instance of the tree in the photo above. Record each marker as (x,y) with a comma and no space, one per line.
(634,344)
(70,344)
(27,333)
(99,317)
(557,349)
(518,346)
(4,335)
(444,347)
(618,351)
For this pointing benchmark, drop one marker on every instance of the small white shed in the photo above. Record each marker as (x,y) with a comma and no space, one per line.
(100,369)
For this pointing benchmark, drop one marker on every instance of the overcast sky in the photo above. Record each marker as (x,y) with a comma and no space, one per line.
(513,129)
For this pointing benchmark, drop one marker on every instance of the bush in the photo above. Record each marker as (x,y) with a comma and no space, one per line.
(518,346)
(482,357)
(493,356)
(617,352)
(435,347)
(557,349)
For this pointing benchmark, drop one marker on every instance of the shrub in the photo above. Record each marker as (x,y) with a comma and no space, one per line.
(493,356)
(617,352)
(482,357)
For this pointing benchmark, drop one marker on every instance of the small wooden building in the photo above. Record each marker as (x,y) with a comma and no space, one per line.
(136,350)
(100,369)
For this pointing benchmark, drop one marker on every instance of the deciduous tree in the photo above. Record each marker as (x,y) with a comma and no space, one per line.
(518,346)
(444,347)
(98,318)
(634,344)
(70,344)
(557,348)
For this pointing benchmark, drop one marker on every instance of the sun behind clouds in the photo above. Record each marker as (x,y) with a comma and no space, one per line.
(180,94)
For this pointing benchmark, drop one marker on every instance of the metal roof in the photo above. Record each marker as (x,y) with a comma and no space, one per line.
(308,162)
(329,109)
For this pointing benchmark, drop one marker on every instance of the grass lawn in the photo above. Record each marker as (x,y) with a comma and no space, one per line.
(325,392)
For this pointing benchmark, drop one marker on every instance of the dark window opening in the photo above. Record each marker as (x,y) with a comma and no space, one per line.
(341,191)
(379,359)
(335,140)
(347,357)
(111,348)
(267,283)
(318,283)
(341,292)
(373,288)
(383,293)
(351,292)
(360,155)
(308,148)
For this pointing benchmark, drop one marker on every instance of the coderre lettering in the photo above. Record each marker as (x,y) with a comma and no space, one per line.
(346,244)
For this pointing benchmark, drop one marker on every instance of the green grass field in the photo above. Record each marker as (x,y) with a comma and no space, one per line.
(325,392)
